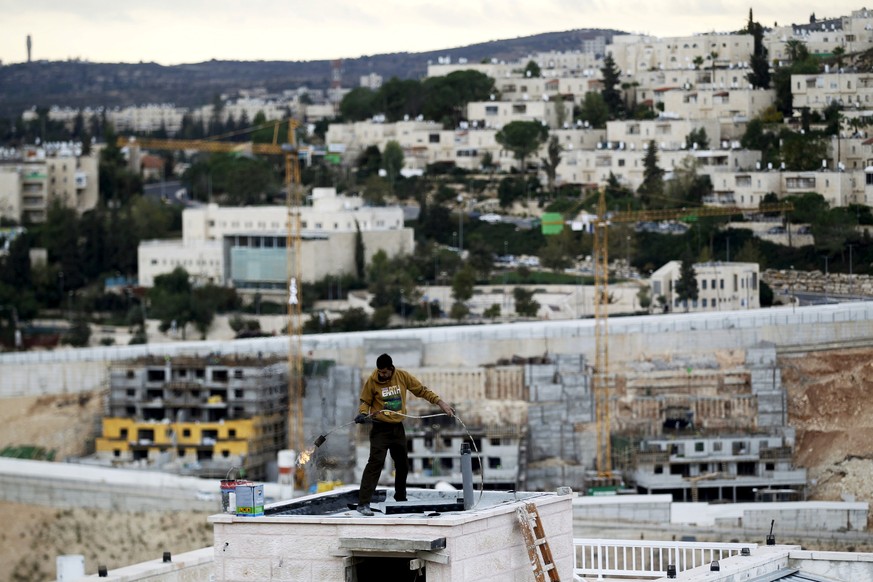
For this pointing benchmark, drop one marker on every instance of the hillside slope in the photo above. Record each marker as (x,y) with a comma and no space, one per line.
(84,84)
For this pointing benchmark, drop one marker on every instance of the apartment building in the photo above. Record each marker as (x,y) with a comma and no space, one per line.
(626,163)
(32,178)
(721,286)
(741,467)
(635,54)
(196,416)
(854,33)
(731,108)
(748,188)
(147,118)
(496,114)
(819,91)
(667,133)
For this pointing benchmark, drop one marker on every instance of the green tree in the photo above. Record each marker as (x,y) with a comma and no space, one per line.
(79,333)
(463,284)
(750,253)
(759,137)
(802,151)
(759,76)
(525,305)
(552,161)
(522,138)
(458,311)
(610,92)
(594,110)
(687,186)
(686,285)
(492,312)
(532,69)
(446,98)
(392,161)
(360,259)
(653,176)
(399,98)
(173,302)
(801,63)
(554,254)
(644,297)
(697,137)
(359,104)
(369,162)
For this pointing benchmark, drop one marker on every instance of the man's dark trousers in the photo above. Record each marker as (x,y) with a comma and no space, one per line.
(385,437)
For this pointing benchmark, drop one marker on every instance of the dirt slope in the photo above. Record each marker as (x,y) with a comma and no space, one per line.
(830,402)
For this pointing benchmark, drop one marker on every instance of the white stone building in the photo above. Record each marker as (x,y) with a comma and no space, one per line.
(329,226)
(720,286)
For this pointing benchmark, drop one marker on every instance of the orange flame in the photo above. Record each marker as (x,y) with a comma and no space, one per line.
(304,456)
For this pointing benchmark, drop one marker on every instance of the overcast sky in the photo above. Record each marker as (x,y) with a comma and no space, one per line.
(189,31)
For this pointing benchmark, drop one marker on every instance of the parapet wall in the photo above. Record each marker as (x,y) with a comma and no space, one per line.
(630,339)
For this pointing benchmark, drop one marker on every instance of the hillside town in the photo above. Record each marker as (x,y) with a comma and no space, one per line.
(648,384)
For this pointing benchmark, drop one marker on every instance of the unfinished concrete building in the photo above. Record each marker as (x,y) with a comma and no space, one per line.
(196,416)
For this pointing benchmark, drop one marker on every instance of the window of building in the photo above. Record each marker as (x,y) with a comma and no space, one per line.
(716,446)
(698,446)
(186,432)
(433,138)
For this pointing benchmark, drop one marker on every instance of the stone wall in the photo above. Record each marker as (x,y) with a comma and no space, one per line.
(787,281)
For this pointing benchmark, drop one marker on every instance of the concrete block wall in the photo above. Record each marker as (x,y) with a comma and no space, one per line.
(331,401)
(631,508)
(630,339)
(452,384)
(854,566)
(811,516)
(195,566)
(484,545)
(67,486)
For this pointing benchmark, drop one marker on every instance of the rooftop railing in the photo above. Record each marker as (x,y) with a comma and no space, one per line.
(639,559)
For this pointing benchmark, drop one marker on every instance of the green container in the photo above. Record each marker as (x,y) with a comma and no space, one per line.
(250,500)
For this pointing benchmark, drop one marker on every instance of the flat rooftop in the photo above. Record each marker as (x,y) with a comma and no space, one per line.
(430,503)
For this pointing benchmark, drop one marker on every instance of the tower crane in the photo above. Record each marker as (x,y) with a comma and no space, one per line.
(601,377)
(293,202)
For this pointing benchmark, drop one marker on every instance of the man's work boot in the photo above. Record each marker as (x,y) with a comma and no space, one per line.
(364,509)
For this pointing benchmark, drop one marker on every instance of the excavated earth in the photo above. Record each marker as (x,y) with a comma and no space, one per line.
(830,403)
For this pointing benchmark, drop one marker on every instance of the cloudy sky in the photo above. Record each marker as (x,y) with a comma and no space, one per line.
(188,31)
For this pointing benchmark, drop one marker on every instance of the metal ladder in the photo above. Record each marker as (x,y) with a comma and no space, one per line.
(538,549)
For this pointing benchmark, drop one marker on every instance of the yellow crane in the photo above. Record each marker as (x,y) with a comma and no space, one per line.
(293,202)
(600,377)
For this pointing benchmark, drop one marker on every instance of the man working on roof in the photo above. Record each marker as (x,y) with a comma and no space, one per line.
(383,400)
